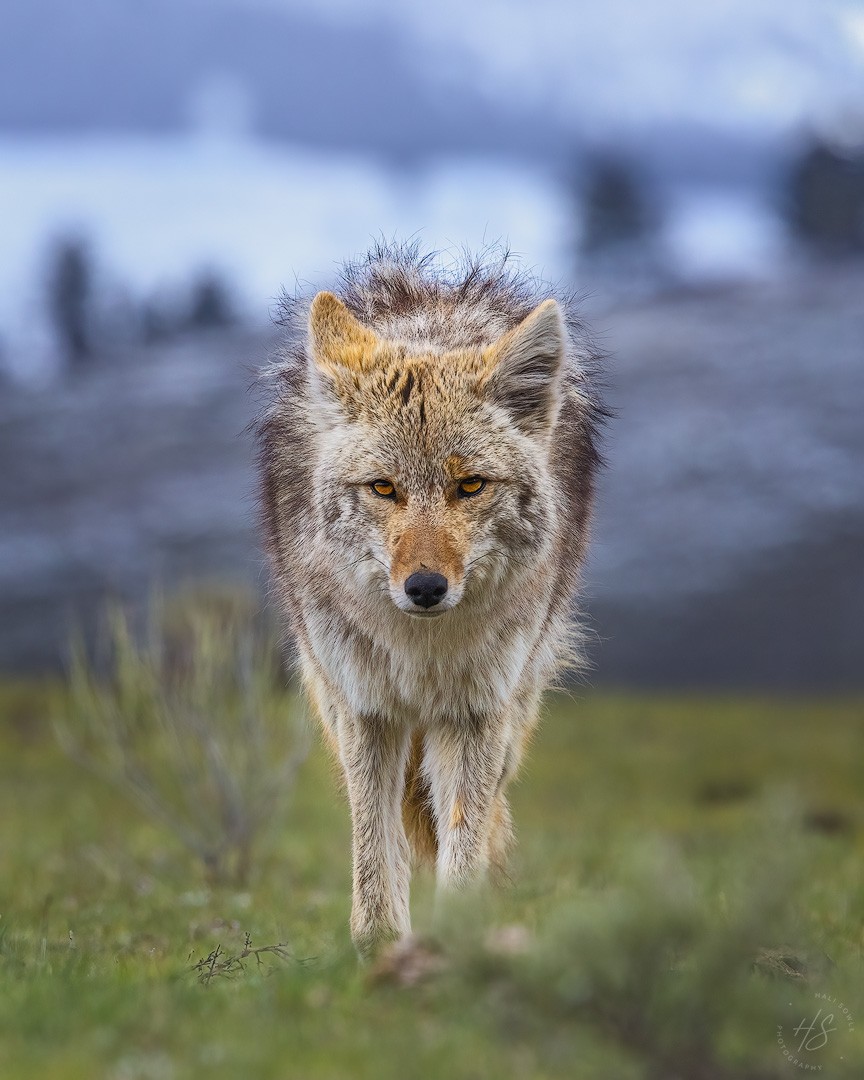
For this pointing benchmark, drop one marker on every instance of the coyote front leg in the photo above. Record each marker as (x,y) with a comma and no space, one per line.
(465,762)
(373,753)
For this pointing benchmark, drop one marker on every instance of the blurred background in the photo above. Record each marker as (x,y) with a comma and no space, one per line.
(697,171)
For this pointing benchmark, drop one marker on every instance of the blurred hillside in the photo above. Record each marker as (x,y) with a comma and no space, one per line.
(727,544)
(159,66)
(405,81)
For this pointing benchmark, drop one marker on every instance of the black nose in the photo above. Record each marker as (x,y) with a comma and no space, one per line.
(425,588)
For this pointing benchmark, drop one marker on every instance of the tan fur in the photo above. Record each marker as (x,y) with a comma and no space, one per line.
(337,339)
(416,811)
(420,385)
(430,544)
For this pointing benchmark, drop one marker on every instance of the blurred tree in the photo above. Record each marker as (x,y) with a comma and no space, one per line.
(615,209)
(70,297)
(169,313)
(825,199)
(211,304)
(160,320)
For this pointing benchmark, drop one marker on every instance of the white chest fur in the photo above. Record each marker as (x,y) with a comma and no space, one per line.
(386,662)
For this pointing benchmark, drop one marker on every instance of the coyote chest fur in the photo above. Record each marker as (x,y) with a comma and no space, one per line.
(427,458)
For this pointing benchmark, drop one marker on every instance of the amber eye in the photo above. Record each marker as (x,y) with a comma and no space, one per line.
(383,488)
(472,486)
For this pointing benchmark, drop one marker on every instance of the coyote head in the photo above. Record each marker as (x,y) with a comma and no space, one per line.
(432,481)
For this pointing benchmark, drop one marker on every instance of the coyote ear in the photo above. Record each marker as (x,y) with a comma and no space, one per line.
(523,369)
(336,337)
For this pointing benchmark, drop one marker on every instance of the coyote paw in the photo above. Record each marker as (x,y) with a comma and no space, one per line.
(409,961)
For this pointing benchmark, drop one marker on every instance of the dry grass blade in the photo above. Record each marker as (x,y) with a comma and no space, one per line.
(218,963)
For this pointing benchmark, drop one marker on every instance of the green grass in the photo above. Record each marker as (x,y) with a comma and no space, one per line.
(675,858)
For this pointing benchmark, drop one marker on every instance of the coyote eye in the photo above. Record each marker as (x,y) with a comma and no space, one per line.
(383,488)
(472,486)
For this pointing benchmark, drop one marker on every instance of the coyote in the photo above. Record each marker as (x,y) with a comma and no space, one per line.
(428,453)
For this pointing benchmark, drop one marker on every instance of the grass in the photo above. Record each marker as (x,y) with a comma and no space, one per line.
(688,879)
(190,724)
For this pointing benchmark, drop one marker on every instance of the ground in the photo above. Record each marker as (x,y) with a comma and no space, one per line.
(725,548)
(688,879)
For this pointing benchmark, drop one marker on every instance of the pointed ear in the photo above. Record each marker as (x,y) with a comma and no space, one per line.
(524,369)
(336,338)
